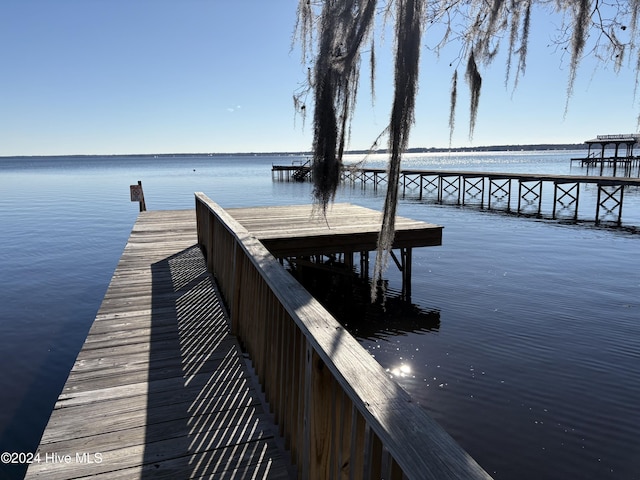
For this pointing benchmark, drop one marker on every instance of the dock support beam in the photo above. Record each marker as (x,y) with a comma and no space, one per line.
(610,196)
(429,185)
(471,187)
(449,187)
(566,192)
(404,265)
(364,264)
(535,195)
(504,187)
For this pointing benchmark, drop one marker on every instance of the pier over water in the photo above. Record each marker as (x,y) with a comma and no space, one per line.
(160,388)
(518,193)
(208,360)
(620,162)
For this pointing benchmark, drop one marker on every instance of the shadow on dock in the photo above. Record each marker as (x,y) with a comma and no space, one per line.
(203,416)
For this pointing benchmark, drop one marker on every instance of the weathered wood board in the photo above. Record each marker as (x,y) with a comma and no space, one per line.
(160,388)
(301,230)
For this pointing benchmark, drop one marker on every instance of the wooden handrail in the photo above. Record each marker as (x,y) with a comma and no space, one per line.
(340,414)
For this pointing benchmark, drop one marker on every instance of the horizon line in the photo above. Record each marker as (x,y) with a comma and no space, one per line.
(506,147)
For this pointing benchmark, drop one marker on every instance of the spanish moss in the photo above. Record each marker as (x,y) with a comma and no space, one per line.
(580,27)
(409,26)
(343,27)
(522,51)
(452,105)
(333,34)
(474,79)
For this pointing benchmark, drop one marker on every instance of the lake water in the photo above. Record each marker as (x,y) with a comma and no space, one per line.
(523,342)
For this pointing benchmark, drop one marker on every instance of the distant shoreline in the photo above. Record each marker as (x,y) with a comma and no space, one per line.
(507,148)
(490,148)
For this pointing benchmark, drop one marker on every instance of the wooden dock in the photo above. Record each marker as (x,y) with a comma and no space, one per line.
(496,190)
(620,162)
(302,235)
(339,413)
(160,388)
(345,228)
(245,376)
(298,171)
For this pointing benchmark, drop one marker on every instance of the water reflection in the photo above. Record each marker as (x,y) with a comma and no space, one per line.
(396,317)
(346,295)
(402,370)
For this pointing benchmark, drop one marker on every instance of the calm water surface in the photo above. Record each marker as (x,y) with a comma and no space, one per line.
(524,341)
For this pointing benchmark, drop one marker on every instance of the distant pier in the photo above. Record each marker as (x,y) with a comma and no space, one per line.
(298,171)
(623,159)
(519,193)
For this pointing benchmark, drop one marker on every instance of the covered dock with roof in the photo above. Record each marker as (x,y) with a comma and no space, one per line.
(599,153)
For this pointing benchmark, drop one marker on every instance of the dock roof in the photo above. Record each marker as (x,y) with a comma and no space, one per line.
(617,138)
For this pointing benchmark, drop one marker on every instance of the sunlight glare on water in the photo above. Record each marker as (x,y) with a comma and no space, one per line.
(402,370)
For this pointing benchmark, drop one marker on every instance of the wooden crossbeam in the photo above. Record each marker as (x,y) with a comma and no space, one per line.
(530,190)
(610,196)
(471,187)
(564,193)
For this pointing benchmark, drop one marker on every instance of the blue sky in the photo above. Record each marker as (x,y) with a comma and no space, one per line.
(158,76)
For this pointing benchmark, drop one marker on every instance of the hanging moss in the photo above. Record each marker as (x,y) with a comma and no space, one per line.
(452,104)
(333,32)
(524,42)
(343,27)
(581,22)
(474,79)
(409,27)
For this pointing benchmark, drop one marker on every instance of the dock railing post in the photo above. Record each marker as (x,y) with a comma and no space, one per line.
(620,205)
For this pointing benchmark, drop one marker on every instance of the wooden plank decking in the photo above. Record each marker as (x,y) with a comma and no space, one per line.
(159,389)
(298,230)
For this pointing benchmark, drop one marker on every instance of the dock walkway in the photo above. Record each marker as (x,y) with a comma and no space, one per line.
(160,388)
(494,190)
